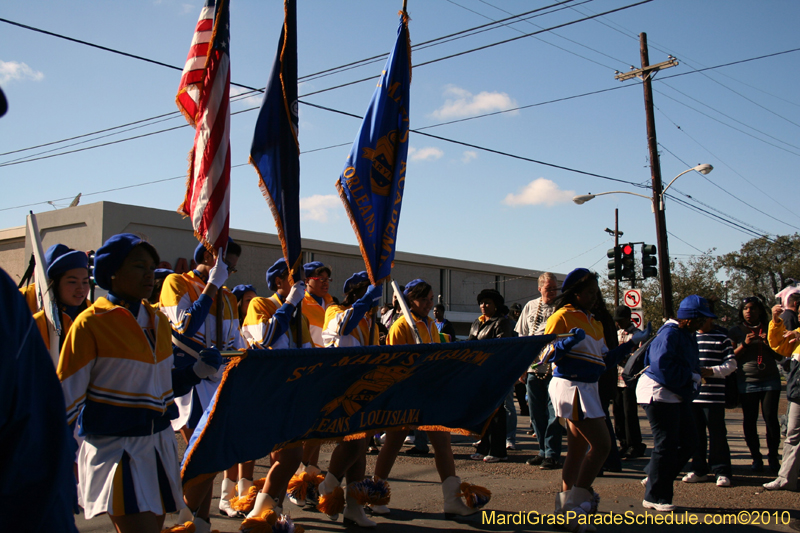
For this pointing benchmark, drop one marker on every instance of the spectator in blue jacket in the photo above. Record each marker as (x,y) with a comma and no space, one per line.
(666,390)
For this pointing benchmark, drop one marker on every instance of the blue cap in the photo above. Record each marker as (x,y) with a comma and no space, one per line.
(112,254)
(275,271)
(309,268)
(355,279)
(239,291)
(198,252)
(162,273)
(59,259)
(577,275)
(411,284)
(694,306)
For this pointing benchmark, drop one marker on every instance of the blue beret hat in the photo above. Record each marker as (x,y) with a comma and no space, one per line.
(579,274)
(239,291)
(198,252)
(694,306)
(354,280)
(162,273)
(309,268)
(411,284)
(59,259)
(112,254)
(275,271)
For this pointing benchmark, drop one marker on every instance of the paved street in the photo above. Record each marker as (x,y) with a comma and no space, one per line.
(519,488)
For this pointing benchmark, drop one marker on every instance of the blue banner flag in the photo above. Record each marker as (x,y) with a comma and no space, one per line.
(371,185)
(331,393)
(275,152)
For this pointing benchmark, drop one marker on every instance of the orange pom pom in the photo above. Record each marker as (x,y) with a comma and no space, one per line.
(186,527)
(260,524)
(475,496)
(333,503)
(244,504)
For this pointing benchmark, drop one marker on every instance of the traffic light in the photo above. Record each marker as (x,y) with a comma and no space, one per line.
(614,264)
(649,261)
(627,261)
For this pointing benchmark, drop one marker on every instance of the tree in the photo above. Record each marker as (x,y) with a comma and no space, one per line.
(762,267)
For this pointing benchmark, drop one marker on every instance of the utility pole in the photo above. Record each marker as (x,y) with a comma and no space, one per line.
(645,74)
(616,247)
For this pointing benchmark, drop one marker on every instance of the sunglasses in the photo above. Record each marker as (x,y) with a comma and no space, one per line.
(750,299)
(321,280)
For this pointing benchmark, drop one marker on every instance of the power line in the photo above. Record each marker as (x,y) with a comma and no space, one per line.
(682,130)
(728,192)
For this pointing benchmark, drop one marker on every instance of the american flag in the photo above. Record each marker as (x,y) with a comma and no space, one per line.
(208,188)
(194,71)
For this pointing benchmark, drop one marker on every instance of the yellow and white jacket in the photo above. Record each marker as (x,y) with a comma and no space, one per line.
(269,324)
(116,370)
(401,332)
(337,318)
(315,313)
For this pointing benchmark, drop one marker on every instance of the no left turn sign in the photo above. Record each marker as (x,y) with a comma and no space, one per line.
(633,298)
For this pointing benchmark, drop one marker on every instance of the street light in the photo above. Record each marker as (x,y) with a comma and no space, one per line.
(583,198)
(661,230)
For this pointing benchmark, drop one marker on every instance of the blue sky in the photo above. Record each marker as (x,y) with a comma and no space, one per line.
(459,202)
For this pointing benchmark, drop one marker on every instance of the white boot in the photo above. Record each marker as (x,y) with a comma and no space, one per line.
(202,526)
(561,501)
(185,515)
(264,502)
(225,509)
(578,501)
(453,504)
(243,486)
(328,488)
(380,509)
(354,514)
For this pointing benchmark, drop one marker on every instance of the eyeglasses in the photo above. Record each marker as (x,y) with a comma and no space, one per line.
(321,280)
(231,270)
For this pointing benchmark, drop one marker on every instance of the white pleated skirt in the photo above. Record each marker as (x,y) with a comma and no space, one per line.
(575,400)
(129,475)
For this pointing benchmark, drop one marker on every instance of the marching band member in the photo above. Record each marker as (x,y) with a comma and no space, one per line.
(419,296)
(189,300)
(316,302)
(69,271)
(579,362)
(348,325)
(268,325)
(116,371)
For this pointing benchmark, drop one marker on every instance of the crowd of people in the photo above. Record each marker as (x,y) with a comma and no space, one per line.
(142,363)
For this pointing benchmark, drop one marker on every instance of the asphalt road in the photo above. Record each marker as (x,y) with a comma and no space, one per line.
(521,491)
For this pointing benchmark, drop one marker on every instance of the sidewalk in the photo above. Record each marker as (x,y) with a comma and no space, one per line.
(520,488)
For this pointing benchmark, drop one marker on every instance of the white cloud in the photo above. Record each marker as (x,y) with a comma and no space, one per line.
(462,103)
(468,156)
(429,153)
(539,192)
(11,70)
(318,207)
(254,99)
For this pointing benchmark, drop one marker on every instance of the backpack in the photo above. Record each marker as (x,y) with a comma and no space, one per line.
(635,365)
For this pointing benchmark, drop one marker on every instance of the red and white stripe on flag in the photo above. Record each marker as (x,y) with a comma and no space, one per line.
(188,98)
(208,191)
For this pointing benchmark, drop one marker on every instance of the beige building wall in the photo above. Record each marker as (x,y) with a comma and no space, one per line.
(455,283)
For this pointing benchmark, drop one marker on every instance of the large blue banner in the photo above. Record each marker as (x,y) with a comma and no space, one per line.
(269,399)
(275,152)
(371,184)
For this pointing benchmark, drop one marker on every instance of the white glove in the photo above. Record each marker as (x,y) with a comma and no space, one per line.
(219,272)
(297,293)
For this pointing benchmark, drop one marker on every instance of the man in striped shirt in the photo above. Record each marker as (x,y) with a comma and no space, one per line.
(716,362)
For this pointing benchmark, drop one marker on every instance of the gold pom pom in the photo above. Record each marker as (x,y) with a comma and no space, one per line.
(333,503)
(186,527)
(244,504)
(475,496)
(260,524)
